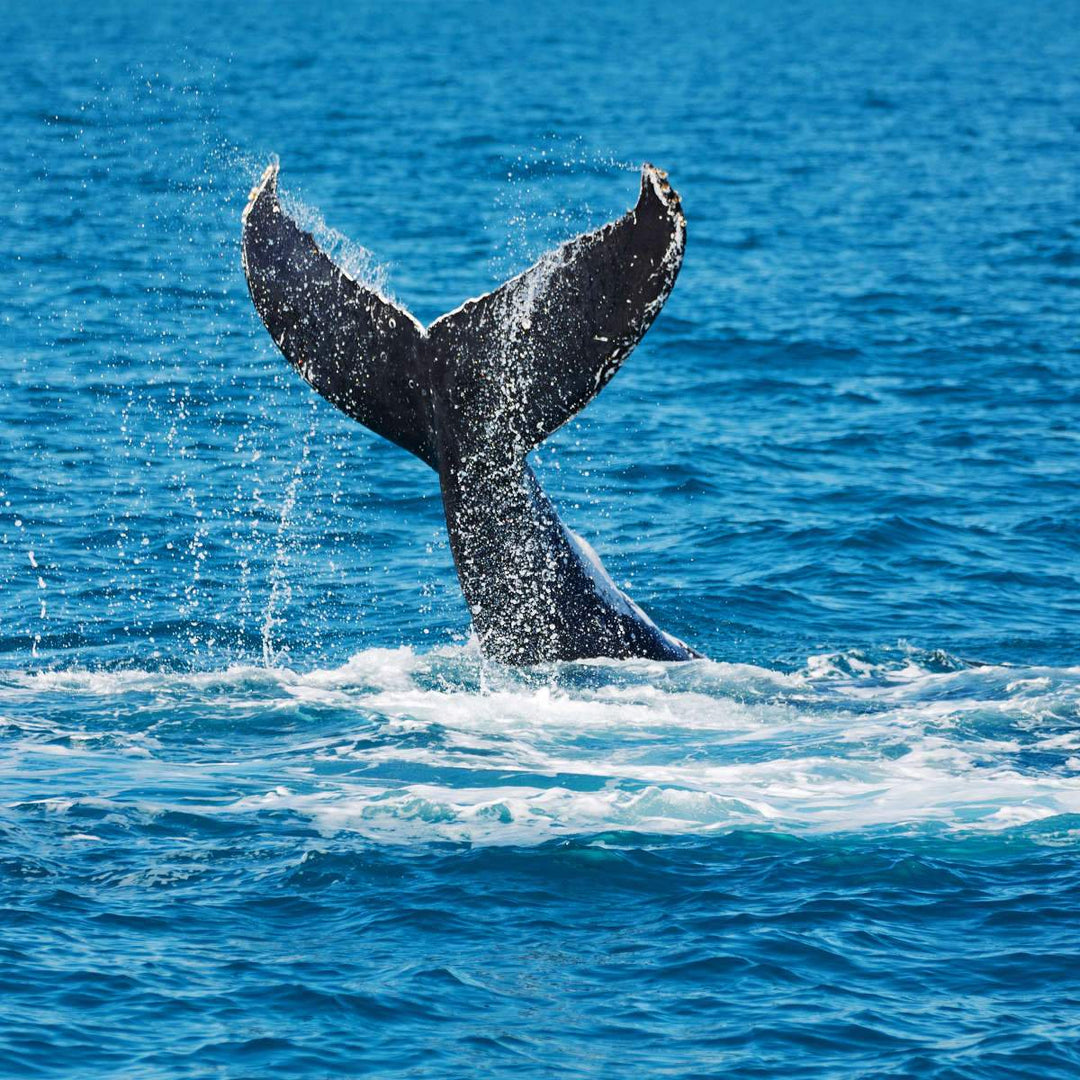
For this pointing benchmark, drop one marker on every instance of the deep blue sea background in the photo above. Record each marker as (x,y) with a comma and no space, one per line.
(264,811)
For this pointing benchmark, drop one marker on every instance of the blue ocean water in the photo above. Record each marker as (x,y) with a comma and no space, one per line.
(263,808)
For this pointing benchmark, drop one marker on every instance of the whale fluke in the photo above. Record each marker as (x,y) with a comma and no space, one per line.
(363,353)
(531,354)
(540,347)
(475,391)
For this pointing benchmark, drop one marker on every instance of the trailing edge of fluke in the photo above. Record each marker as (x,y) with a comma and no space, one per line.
(475,391)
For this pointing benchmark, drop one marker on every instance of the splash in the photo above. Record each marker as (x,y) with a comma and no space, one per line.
(356,260)
(398,747)
(280,588)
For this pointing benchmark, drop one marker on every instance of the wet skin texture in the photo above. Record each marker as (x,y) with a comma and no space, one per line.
(474,392)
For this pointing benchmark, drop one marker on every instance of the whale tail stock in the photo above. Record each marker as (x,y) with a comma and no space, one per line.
(509,367)
(473,392)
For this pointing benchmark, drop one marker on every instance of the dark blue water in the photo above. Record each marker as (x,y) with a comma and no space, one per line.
(264,810)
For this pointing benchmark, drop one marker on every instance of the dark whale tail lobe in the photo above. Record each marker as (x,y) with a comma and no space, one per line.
(516,363)
(361,352)
(541,346)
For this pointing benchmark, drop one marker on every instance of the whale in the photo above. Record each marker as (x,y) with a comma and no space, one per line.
(476,391)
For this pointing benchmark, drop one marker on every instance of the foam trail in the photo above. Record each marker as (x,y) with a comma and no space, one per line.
(397,746)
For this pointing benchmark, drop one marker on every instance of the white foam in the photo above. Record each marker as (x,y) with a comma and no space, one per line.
(674,749)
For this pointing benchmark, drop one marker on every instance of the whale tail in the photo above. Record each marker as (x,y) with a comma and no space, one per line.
(508,367)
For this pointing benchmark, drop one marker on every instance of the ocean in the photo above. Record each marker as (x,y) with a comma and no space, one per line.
(264,808)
